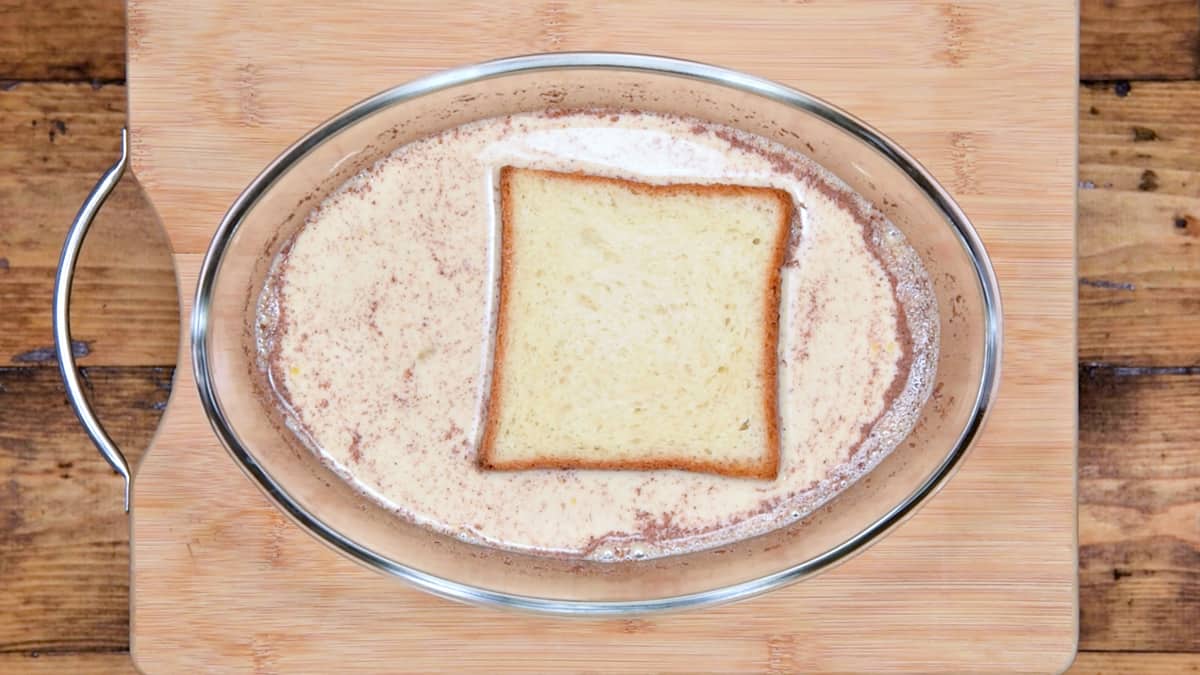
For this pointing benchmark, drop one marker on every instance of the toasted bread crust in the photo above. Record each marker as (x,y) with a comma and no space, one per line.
(491,420)
(771,317)
(768,467)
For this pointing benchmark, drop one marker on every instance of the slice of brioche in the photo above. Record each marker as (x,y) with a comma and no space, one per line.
(638,326)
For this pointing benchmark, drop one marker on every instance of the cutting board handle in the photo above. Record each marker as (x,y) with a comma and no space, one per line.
(63,348)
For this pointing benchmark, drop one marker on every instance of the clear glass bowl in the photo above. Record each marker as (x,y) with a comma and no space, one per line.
(275,204)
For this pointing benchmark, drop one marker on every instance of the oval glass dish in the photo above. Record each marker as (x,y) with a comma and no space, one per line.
(275,204)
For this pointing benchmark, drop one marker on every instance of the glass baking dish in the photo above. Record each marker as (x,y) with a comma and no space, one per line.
(275,204)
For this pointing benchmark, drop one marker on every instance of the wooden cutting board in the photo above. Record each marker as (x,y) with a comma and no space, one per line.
(984,577)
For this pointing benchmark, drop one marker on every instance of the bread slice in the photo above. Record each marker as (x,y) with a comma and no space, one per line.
(637,326)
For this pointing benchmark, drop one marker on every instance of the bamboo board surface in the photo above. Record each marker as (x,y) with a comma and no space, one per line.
(983,578)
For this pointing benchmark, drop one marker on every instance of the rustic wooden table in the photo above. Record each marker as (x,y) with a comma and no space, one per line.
(64,540)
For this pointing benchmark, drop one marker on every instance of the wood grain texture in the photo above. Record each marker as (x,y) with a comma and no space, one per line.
(64,554)
(86,663)
(1139,225)
(62,40)
(59,138)
(216,567)
(1139,524)
(1135,663)
(1145,39)
(225,92)
(56,128)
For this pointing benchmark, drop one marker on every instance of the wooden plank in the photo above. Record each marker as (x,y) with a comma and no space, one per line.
(1138,39)
(1139,224)
(1150,663)
(59,138)
(62,40)
(1139,494)
(60,128)
(86,663)
(64,538)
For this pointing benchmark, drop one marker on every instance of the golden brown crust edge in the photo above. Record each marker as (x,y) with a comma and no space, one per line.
(772,314)
(768,467)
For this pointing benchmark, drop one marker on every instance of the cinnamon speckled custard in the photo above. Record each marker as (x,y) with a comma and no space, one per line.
(377,321)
